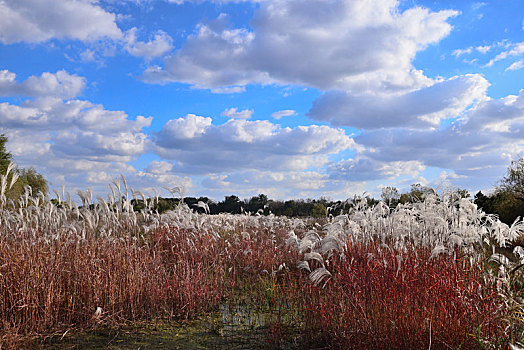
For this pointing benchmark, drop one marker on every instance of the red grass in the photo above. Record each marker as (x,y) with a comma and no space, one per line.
(48,287)
(372,303)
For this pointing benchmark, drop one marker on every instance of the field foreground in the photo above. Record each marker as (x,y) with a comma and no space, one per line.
(437,274)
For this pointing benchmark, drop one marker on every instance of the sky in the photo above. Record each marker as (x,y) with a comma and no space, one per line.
(293,99)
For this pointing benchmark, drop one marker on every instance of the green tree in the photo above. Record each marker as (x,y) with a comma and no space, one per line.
(5,156)
(231,204)
(390,196)
(256,203)
(484,202)
(416,193)
(508,206)
(514,180)
(30,177)
(26,177)
(319,211)
(461,193)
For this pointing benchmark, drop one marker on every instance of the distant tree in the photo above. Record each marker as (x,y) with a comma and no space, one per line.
(484,202)
(319,210)
(461,193)
(26,177)
(165,204)
(5,156)
(416,193)
(508,205)
(256,203)
(390,196)
(275,207)
(29,177)
(514,180)
(231,205)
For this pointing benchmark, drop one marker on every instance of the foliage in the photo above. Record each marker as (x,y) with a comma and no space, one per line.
(507,201)
(5,156)
(390,196)
(29,177)
(319,211)
(24,177)
(513,182)
(417,193)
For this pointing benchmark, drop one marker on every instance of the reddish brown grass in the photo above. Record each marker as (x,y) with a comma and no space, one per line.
(374,300)
(373,303)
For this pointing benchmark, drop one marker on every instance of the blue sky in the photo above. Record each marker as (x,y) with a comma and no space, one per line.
(287,98)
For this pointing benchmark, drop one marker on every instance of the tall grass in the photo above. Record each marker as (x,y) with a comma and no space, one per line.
(378,298)
(439,272)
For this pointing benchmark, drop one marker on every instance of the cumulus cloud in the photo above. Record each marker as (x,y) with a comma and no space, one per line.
(60,84)
(68,140)
(478,145)
(75,130)
(35,21)
(280,185)
(367,169)
(198,146)
(159,45)
(98,175)
(54,114)
(422,108)
(323,44)
(234,113)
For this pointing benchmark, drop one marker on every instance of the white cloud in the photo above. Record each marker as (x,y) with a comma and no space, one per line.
(477,148)
(59,84)
(423,108)
(199,147)
(159,45)
(69,141)
(482,49)
(88,55)
(36,21)
(284,113)
(228,90)
(368,169)
(280,185)
(514,50)
(515,65)
(459,52)
(324,44)
(477,5)
(54,114)
(234,113)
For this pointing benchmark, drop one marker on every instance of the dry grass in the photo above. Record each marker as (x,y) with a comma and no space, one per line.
(374,278)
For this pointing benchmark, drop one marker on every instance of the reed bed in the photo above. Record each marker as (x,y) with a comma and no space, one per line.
(379,298)
(434,274)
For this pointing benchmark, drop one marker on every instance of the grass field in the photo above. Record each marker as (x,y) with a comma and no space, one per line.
(436,274)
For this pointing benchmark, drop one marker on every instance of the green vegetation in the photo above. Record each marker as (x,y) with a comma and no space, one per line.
(507,201)
(24,177)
